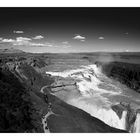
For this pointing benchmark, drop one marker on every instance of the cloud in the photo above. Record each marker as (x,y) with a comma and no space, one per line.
(18,39)
(0,38)
(38,37)
(7,40)
(24,41)
(101,38)
(79,37)
(38,44)
(18,32)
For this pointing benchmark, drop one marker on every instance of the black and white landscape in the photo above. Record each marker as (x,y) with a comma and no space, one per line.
(70,70)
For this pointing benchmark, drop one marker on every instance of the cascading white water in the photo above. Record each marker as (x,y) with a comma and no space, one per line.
(123,119)
(107,115)
(89,80)
(136,128)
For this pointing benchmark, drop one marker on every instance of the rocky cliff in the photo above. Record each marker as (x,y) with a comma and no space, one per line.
(89,89)
(126,73)
(27,108)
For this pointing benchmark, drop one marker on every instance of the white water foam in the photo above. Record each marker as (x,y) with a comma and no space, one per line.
(136,128)
(107,115)
(88,79)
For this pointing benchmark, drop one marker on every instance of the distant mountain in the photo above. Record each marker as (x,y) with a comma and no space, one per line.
(11,50)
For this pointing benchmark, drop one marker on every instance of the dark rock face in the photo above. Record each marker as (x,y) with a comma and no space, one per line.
(15,107)
(130,117)
(128,74)
(21,103)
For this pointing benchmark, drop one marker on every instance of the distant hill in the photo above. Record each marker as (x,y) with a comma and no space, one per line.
(11,50)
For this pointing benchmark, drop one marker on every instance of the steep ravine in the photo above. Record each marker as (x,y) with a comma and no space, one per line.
(64,118)
(100,96)
(42,111)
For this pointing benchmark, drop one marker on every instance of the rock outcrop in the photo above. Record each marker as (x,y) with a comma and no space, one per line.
(126,73)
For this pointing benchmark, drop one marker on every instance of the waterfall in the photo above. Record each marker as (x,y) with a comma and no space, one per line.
(123,119)
(96,93)
(136,128)
(107,115)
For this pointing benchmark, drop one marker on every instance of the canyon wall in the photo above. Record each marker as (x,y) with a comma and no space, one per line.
(96,93)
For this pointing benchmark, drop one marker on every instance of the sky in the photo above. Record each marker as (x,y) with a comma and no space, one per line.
(64,30)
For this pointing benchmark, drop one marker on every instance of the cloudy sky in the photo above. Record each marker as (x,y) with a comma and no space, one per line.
(70,29)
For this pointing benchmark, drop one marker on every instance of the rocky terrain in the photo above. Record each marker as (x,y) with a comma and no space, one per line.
(112,105)
(40,102)
(99,94)
(28,107)
(129,75)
